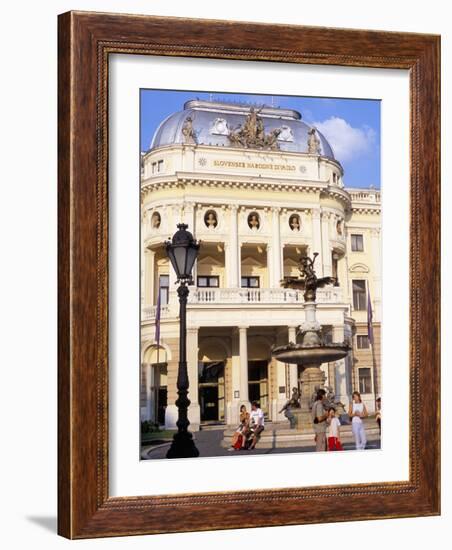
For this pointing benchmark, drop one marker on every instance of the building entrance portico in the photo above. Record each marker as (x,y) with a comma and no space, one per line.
(233,366)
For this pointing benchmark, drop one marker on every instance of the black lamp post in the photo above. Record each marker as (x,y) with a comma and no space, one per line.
(182,251)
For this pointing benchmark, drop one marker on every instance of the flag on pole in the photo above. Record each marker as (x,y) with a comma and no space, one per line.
(370,329)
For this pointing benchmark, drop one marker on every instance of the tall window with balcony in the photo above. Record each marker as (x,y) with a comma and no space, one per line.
(362,341)
(253,285)
(164,289)
(334,267)
(208,283)
(357,242)
(365,380)
(250,282)
(211,281)
(359,294)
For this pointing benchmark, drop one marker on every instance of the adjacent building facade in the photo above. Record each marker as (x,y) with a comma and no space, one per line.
(258,188)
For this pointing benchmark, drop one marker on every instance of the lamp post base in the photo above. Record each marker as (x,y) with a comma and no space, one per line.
(182,446)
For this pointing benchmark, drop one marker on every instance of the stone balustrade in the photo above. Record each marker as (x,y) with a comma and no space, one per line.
(243,296)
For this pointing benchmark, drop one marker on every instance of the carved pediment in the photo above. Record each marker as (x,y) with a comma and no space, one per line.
(359,268)
(162,261)
(252,261)
(209,260)
(289,262)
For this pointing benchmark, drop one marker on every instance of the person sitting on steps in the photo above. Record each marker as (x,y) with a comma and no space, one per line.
(242,432)
(257,423)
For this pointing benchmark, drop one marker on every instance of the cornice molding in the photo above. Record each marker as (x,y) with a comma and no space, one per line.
(366,209)
(222,181)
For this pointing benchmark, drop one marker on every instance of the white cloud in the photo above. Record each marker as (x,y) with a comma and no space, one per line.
(347,142)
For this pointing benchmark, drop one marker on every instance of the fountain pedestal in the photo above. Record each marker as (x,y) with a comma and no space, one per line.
(310,354)
(312,378)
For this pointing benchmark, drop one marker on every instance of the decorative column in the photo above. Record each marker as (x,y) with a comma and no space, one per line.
(270,265)
(190,220)
(281,396)
(149,277)
(326,249)
(283,246)
(145,224)
(276,248)
(233,406)
(293,369)
(375,298)
(189,217)
(243,352)
(233,251)
(376,272)
(150,394)
(171,409)
(194,412)
(331,376)
(317,240)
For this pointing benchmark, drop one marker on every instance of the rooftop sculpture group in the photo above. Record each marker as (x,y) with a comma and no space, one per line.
(252,133)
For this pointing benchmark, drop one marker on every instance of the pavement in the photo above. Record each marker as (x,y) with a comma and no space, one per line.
(209,441)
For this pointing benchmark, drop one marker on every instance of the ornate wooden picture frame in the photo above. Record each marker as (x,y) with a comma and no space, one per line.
(86,40)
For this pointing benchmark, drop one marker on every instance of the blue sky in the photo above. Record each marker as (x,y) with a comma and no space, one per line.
(352,126)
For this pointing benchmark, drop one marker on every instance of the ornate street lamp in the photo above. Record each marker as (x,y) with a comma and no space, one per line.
(182,251)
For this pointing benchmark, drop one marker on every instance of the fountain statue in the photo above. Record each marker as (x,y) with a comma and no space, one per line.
(313,350)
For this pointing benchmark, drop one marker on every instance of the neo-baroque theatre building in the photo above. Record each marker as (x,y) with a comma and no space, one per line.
(259,188)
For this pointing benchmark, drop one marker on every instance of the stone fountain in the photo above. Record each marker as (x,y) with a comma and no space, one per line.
(312,351)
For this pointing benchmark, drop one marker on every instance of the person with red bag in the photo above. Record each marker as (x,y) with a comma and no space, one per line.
(334,442)
(242,431)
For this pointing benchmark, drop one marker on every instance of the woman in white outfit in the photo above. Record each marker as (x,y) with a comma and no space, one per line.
(357,411)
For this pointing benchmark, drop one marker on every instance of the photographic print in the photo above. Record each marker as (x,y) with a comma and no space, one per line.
(260,274)
(221,271)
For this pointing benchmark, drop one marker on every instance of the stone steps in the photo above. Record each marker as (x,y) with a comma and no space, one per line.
(273,437)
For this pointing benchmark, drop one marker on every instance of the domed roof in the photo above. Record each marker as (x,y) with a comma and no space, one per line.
(213,120)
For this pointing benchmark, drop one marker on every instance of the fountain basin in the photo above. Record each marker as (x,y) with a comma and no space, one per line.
(301,354)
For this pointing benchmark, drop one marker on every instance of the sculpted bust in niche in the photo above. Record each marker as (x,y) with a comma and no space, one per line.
(210,219)
(253,221)
(156,220)
(294,222)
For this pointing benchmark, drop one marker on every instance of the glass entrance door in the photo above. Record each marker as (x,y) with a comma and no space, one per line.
(258,383)
(162,402)
(160,392)
(211,391)
(209,402)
